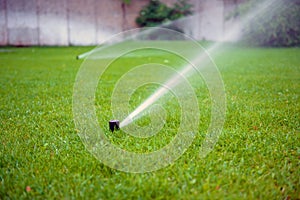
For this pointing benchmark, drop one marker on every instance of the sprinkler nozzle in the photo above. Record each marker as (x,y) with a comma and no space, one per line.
(114,124)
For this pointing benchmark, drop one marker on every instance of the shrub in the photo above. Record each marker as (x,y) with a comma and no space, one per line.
(156,13)
(278,26)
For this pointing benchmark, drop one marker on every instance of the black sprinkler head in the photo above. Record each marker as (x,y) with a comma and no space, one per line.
(114,124)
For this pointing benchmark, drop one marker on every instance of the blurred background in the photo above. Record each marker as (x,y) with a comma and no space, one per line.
(90,22)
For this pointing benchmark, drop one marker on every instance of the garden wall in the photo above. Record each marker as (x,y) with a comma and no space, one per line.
(88,22)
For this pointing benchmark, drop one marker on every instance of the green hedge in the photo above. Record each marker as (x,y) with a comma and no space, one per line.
(278,26)
(157,13)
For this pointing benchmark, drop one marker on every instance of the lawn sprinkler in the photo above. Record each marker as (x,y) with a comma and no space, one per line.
(114,124)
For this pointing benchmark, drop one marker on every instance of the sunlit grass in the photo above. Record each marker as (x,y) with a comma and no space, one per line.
(256,157)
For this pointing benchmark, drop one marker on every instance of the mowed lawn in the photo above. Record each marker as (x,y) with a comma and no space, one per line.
(256,157)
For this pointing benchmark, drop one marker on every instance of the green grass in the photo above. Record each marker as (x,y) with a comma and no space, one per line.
(256,157)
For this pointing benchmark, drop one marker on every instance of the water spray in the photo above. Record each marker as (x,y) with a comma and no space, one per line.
(199,63)
(232,35)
